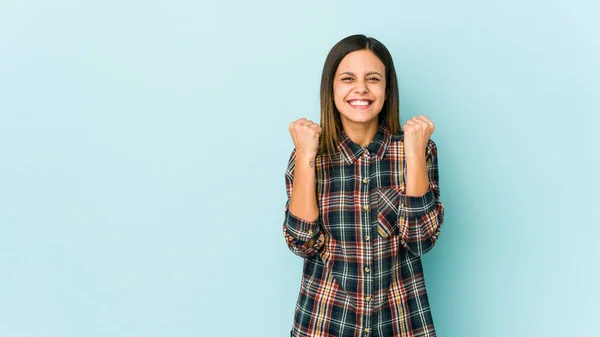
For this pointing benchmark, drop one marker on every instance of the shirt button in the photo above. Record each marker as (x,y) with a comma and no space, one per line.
(402,205)
(366,154)
(367,237)
(366,208)
(367,330)
(365,180)
(367,269)
(368,298)
(310,232)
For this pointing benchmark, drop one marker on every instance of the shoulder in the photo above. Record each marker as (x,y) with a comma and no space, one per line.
(398,140)
(431,148)
(322,162)
(291,163)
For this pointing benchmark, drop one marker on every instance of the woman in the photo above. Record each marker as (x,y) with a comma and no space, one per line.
(363,202)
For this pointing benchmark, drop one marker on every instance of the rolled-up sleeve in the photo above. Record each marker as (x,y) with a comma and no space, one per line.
(417,219)
(297,231)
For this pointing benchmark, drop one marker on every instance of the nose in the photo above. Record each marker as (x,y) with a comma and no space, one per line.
(361,88)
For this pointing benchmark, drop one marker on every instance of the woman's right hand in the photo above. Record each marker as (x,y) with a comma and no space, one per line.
(305,134)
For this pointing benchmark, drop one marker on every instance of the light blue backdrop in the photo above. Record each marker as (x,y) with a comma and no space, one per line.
(143,146)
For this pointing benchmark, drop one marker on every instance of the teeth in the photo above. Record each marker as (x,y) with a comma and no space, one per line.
(360,102)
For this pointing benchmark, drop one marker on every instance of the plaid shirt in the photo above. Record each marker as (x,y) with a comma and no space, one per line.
(366,279)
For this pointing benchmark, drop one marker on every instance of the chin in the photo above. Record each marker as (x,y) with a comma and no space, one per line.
(353,118)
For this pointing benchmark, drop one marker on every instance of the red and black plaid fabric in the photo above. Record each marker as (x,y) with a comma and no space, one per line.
(366,279)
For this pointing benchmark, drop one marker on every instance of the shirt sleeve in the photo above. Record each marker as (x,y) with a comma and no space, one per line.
(416,219)
(296,231)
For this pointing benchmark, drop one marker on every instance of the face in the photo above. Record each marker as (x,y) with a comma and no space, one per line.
(359,87)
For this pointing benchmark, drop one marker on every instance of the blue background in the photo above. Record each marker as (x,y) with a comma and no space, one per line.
(143,146)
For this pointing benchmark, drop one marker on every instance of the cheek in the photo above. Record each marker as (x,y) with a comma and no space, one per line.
(380,94)
(338,94)
(339,99)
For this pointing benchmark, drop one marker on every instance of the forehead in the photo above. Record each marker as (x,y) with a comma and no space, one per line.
(360,62)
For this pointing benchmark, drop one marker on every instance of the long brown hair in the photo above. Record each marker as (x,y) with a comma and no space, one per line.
(331,123)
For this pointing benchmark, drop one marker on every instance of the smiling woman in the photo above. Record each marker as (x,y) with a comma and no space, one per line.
(359,96)
(363,203)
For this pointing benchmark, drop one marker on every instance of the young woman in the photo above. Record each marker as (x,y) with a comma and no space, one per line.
(363,203)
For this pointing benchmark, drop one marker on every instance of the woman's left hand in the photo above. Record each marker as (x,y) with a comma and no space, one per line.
(417,132)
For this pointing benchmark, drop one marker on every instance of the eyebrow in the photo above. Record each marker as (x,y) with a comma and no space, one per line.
(352,74)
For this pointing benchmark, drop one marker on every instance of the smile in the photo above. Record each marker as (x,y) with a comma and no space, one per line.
(360,104)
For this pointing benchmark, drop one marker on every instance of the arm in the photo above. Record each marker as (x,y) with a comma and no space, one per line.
(421,212)
(418,214)
(303,237)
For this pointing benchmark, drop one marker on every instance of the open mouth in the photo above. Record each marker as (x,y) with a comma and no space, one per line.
(360,103)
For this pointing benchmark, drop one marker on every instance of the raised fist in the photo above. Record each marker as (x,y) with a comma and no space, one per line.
(305,134)
(417,132)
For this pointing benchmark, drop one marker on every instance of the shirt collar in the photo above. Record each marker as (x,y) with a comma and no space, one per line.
(351,150)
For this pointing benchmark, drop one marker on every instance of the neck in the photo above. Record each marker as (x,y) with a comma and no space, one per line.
(361,133)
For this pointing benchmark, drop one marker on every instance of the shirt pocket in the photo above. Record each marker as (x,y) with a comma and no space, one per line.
(388,199)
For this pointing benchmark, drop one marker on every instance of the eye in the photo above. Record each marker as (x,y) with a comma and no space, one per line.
(346,79)
(373,79)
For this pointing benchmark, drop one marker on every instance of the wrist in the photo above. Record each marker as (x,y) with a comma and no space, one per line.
(306,154)
(414,158)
